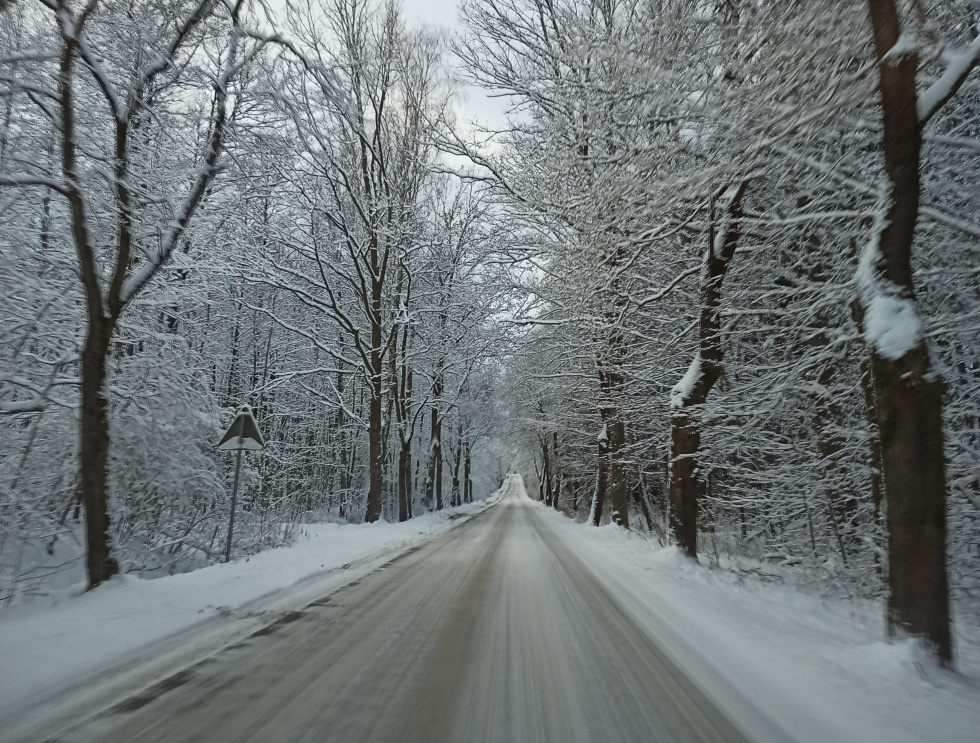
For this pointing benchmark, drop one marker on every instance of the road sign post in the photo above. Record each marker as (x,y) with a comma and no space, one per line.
(241,435)
(234,503)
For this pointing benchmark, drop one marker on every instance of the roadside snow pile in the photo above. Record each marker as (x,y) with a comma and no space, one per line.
(821,670)
(46,641)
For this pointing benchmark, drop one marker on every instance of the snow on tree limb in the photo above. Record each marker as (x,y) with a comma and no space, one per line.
(682,390)
(941,91)
(209,168)
(892,326)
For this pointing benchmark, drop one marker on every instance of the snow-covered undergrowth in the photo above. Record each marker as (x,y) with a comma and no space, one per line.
(820,669)
(48,640)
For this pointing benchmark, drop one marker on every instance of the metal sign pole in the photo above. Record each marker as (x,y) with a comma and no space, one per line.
(234,499)
(242,434)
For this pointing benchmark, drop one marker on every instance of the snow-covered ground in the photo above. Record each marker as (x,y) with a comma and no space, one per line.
(820,669)
(52,643)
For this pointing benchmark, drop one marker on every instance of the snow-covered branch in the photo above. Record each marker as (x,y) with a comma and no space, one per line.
(958,69)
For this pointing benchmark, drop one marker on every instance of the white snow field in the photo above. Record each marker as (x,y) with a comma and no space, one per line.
(778,663)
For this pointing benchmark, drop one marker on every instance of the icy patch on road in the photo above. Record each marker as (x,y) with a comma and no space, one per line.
(819,670)
(48,640)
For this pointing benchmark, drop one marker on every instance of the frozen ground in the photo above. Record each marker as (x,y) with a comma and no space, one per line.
(820,669)
(48,643)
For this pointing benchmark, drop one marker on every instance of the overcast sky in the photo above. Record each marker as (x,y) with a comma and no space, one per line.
(473,104)
(438,12)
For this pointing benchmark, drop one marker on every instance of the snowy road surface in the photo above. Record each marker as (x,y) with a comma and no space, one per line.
(495,632)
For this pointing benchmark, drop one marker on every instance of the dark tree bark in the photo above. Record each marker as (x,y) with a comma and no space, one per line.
(557,469)
(907,394)
(617,485)
(404,479)
(340,429)
(602,467)
(456,492)
(467,473)
(376,433)
(691,393)
(375,446)
(433,482)
(402,380)
(610,363)
(104,304)
(613,482)
(94,443)
(546,485)
(685,486)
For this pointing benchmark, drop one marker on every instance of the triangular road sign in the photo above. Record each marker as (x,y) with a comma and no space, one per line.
(243,433)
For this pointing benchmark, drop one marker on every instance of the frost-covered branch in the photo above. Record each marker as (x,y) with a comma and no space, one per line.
(958,69)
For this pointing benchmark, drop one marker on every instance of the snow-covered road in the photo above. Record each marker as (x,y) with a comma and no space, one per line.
(496,632)
(517,625)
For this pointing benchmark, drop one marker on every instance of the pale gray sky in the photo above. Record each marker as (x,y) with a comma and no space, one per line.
(474,103)
(436,12)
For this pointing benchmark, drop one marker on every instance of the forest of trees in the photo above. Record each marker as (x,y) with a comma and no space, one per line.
(717,279)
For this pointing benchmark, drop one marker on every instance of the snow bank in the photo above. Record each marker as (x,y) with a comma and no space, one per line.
(819,670)
(47,641)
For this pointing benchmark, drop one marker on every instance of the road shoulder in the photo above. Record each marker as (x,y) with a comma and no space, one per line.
(82,651)
(778,662)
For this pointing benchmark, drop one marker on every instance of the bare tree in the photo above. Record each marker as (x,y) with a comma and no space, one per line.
(116,260)
(690,394)
(908,397)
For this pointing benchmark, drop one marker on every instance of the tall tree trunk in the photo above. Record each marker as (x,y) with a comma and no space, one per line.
(94,451)
(612,382)
(688,397)
(870,417)
(376,442)
(411,480)
(617,484)
(557,469)
(402,380)
(908,396)
(599,497)
(546,490)
(404,479)
(433,483)
(94,420)
(375,453)
(467,475)
(456,494)
(437,457)
(685,485)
